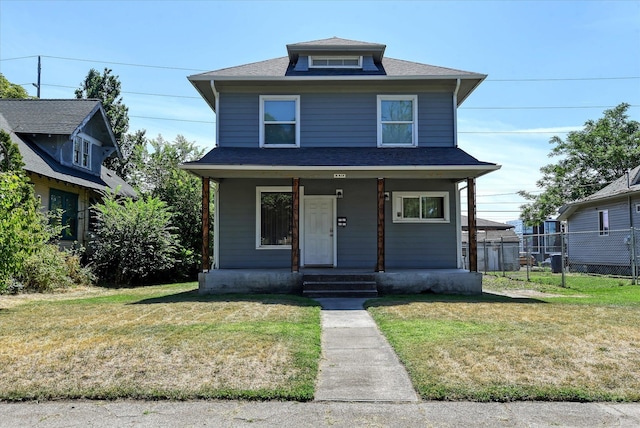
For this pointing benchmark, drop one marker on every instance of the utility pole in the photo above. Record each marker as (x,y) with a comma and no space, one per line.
(37,85)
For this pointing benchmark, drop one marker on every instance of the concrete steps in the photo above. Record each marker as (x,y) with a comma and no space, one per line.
(339,285)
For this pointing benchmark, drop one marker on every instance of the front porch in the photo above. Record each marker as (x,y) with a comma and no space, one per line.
(392,281)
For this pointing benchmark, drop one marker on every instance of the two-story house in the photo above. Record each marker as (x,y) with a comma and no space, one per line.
(63,144)
(338,158)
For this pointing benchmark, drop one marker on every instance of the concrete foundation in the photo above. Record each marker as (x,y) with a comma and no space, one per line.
(282,281)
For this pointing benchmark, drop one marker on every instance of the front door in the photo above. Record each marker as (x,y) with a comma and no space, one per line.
(318,231)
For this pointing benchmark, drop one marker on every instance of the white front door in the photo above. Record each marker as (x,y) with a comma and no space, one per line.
(318,231)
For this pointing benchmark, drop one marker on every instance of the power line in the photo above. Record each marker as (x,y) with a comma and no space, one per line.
(539,107)
(175,120)
(164,67)
(561,79)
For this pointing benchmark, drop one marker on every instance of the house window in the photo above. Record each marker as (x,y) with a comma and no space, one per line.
(335,62)
(280,121)
(397,120)
(82,152)
(273,217)
(603,223)
(68,204)
(420,207)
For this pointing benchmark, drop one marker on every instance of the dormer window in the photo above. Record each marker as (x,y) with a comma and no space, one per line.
(335,62)
(82,152)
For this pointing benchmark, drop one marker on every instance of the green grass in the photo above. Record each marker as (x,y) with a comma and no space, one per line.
(578,344)
(161,342)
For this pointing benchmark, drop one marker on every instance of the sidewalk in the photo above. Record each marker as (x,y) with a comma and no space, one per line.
(357,363)
(315,414)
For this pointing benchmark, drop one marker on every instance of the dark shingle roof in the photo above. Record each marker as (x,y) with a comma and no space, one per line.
(20,118)
(281,67)
(59,117)
(626,184)
(340,156)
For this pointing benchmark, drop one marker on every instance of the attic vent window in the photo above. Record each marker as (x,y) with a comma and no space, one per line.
(335,62)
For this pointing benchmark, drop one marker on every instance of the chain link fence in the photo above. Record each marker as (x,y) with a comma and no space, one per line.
(558,258)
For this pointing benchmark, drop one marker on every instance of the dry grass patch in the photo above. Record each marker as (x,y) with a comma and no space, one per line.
(159,342)
(495,348)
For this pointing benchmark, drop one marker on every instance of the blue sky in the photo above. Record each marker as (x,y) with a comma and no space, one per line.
(552,65)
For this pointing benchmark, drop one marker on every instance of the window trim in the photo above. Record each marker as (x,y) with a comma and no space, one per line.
(397,206)
(259,191)
(414,123)
(264,98)
(312,58)
(603,230)
(82,140)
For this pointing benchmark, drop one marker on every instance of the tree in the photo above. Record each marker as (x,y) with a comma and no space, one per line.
(106,88)
(10,157)
(11,90)
(159,176)
(589,160)
(135,240)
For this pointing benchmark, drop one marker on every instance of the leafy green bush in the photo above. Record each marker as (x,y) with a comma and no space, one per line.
(134,240)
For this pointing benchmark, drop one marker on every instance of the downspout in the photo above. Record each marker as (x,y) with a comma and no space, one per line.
(455,113)
(217,95)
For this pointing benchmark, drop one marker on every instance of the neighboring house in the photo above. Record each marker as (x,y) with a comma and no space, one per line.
(498,245)
(339,158)
(600,236)
(541,241)
(63,144)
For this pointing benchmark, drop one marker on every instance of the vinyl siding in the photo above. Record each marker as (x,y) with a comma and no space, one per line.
(334,119)
(584,243)
(419,246)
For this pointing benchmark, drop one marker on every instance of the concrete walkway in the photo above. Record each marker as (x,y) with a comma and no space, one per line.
(357,362)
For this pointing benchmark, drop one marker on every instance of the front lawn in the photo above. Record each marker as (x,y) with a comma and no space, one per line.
(563,344)
(158,342)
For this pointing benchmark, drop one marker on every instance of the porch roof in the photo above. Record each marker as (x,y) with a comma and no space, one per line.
(353,162)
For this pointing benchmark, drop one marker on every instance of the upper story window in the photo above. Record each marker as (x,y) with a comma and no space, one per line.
(397,120)
(279,121)
(335,62)
(82,152)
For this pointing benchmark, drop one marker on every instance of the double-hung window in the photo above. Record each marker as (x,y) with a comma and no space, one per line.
(397,120)
(279,121)
(603,223)
(273,217)
(82,152)
(420,207)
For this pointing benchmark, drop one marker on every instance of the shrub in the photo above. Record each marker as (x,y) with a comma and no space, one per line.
(50,268)
(134,240)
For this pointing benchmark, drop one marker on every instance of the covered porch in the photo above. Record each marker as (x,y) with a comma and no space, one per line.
(383,176)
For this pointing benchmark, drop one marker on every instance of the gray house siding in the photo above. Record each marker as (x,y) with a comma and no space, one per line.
(334,119)
(421,245)
(587,249)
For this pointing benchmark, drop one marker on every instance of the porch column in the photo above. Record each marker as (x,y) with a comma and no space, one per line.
(380,258)
(206,262)
(295,226)
(473,232)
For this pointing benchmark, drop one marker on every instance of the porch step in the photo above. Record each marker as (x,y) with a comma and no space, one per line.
(339,285)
